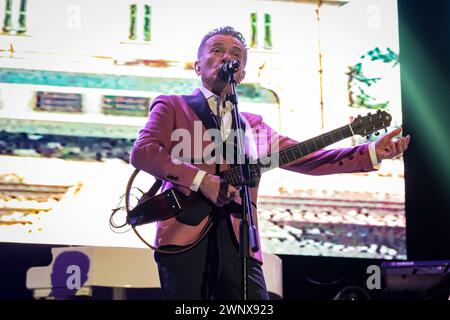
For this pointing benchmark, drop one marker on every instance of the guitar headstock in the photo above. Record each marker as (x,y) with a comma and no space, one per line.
(371,123)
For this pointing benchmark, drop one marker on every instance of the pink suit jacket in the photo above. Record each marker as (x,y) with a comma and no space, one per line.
(152,153)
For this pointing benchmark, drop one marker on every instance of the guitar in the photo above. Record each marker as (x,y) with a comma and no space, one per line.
(193,208)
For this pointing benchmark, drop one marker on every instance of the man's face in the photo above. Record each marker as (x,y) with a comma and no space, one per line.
(218,49)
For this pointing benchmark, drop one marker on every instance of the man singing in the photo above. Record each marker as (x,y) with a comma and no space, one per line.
(211,269)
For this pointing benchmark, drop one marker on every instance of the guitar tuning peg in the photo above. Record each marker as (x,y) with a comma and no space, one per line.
(377,133)
(368,136)
(385,130)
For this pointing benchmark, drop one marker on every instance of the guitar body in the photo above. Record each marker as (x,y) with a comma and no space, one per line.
(190,210)
(164,206)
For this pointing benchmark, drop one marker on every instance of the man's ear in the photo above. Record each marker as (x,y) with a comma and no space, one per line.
(197,68)
(243,76)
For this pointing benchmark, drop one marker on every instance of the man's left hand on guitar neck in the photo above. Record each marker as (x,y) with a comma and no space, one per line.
(387,148)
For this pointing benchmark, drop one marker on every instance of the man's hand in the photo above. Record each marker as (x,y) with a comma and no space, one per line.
(387,148)
(217,190)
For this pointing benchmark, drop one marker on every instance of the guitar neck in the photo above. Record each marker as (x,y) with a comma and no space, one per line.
(304,148)
(290,154)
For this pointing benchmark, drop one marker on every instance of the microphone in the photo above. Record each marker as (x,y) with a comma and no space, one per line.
(223,76)
(229,68)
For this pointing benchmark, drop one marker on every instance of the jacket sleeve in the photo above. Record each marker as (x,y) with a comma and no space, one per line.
(321,162)
(151,150)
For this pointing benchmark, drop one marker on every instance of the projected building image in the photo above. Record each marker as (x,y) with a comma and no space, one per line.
(75,92)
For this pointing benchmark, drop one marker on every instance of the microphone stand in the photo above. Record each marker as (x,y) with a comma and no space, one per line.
(247,229)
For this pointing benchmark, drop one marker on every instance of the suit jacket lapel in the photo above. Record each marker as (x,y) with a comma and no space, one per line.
(198,103)
(200,106)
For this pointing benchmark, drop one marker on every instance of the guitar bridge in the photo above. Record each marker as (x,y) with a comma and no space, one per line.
(172,201)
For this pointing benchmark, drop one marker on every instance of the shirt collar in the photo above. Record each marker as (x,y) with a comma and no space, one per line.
(208,94)
(212,102)
(212,99)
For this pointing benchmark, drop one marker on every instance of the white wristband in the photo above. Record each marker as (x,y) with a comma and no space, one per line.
(197,180)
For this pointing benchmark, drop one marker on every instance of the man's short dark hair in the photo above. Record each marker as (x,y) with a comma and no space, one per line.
(227,30)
